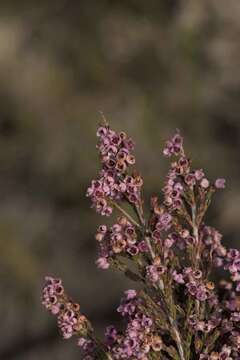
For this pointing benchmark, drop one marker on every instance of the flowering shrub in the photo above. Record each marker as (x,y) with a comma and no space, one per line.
(183,311)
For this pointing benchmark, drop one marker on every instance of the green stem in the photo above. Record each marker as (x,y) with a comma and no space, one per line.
(130,218)
(172,322)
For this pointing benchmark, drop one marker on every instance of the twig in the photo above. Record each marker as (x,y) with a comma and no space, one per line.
(125,214)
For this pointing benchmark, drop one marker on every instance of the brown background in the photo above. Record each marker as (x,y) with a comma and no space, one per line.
(152,67)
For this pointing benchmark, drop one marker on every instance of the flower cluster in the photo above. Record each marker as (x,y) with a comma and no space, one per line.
(174,146)
(181,178)
(224,354)
(119,239)
(114,183)
(232,264)
(155,271)
(213,245)
(205,325)
(188,305)
(70,320)
(195,286)
(139,338)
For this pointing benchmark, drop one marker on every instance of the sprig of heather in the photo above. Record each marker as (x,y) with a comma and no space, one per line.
(113,182)
(184,310)
(70,320)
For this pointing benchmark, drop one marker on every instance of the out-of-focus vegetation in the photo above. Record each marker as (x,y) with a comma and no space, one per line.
(151,66)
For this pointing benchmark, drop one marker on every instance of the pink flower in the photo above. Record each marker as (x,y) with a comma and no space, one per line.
(199,174)
(130,294)
(174,146)
(204,183)
(178,277)
(220,183)
(102,263)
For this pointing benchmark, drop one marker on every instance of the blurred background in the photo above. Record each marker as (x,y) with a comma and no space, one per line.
(152,67)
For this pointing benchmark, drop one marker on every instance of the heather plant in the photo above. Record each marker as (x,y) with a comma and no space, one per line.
(185,308)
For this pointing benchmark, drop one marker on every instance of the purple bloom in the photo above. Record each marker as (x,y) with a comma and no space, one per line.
(130,294)
(205,183)
(70,320)
(178,277)
(220,183)
(174,146)
(102,263)
(154,272)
